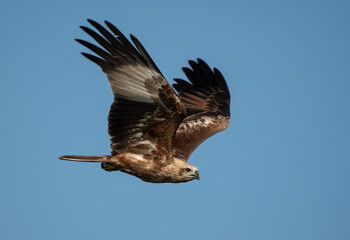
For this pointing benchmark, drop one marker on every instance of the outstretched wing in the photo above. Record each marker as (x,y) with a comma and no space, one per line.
(146,111)
(207,101)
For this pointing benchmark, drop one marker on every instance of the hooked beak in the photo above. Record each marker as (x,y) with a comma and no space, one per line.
(196,176)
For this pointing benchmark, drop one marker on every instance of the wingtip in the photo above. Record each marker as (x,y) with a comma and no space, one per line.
(90,20)
(216,70)
(83,27)
(134,39)
(201,61)
(82,42)
(191,62)
(108,23)
(95,24)
(113,28)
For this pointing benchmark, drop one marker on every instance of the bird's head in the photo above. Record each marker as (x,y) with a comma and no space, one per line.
(189,173)
(185,172)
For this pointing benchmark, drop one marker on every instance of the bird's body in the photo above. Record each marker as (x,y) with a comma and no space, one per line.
(154,131)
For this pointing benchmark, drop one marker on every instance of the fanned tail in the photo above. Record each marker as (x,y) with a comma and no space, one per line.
(77,158)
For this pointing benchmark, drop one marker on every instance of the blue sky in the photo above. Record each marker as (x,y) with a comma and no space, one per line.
(280,171)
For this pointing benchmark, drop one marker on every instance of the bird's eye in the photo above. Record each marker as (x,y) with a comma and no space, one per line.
(188,169)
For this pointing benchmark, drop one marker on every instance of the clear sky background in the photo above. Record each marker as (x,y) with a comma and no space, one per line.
(280,171)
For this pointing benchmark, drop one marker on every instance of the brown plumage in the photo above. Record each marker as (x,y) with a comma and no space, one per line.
(153,131)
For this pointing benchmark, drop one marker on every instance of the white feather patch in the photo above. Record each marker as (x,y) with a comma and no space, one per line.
(128,82)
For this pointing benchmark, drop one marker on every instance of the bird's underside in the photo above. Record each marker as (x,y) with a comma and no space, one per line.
(153,131)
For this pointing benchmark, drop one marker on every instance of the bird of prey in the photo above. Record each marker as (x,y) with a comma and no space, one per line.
(153,130)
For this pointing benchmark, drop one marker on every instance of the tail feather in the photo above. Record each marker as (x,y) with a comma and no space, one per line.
(77,158)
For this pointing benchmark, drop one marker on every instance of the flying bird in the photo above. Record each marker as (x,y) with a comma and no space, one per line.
(153,130)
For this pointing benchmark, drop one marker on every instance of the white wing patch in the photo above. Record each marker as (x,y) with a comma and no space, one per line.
(128,81)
